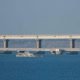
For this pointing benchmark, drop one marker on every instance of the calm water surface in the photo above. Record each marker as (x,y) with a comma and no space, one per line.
(61,67)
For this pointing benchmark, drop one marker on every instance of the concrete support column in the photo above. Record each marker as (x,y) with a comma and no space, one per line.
(38,43)
(5,43)
(72,43)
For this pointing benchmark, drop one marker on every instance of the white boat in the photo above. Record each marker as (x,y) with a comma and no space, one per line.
(25,54)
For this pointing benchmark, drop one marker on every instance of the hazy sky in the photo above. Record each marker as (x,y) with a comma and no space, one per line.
(39,16)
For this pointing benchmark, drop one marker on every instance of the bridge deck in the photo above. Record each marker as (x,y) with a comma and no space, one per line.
(39,36)
(71,38)
(39,49)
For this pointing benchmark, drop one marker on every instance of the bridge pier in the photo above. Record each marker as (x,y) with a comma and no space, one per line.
(72,43)
(5,43)
(38,43)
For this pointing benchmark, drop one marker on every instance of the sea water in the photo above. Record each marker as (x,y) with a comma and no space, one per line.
(51,67)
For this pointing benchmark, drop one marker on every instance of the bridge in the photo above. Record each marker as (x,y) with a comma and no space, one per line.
(52,43)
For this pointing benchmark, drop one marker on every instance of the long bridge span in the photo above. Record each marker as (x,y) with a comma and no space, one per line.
(52,43)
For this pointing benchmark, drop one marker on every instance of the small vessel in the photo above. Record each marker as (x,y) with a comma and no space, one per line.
(30,54)
(25,54)
(57,52)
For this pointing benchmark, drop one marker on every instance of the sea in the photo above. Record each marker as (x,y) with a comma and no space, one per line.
(49,67)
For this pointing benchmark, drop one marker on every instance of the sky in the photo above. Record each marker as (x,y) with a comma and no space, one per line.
(39,16)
